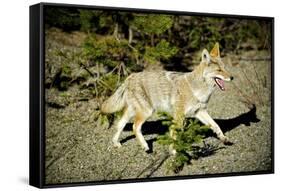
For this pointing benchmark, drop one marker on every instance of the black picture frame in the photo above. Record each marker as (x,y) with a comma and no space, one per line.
(37,95)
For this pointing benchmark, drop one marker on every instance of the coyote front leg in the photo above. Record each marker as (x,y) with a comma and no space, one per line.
(205,118)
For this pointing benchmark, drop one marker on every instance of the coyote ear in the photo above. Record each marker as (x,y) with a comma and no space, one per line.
(215,52)
(205,56)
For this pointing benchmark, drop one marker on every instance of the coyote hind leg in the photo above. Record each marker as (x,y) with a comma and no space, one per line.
(139,120)
(127,114)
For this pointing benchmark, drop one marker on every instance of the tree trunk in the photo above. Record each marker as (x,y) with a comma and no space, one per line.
(152,40)
(130,35)
(115,33)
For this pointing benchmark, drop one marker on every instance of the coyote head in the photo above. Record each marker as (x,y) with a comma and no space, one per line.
(213,68)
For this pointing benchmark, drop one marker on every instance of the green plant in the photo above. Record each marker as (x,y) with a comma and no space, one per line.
(163,50)
(152,24)
(85,19)
(186,142)
(106,50)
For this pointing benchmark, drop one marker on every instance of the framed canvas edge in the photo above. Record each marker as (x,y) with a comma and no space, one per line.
(36,127)
(37,97)
(176,12)
(272,94)
(154,179)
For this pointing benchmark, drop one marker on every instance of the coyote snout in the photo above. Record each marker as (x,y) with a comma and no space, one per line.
(179,94)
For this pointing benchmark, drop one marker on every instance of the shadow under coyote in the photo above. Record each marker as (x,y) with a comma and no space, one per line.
(156,127)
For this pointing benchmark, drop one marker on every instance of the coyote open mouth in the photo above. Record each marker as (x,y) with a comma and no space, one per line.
(220,83)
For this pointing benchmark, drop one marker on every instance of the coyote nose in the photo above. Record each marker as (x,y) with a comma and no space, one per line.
(231,77)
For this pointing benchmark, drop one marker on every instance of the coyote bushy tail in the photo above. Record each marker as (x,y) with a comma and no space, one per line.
(116,102)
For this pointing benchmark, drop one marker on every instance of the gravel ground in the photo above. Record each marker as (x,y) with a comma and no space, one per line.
(79,149)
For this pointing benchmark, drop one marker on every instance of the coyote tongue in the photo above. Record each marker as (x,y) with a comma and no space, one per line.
(220,83)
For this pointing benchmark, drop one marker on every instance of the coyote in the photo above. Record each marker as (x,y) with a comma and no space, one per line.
(179,94)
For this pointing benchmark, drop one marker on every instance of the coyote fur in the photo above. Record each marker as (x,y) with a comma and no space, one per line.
(179,94)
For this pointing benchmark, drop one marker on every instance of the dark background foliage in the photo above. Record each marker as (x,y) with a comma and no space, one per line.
(125,42)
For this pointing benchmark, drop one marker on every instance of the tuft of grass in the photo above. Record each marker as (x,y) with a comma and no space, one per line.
(257,88)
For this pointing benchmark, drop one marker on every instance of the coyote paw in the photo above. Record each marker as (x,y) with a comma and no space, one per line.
(146,148)
(117,144)
(172,151)
(226,141)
